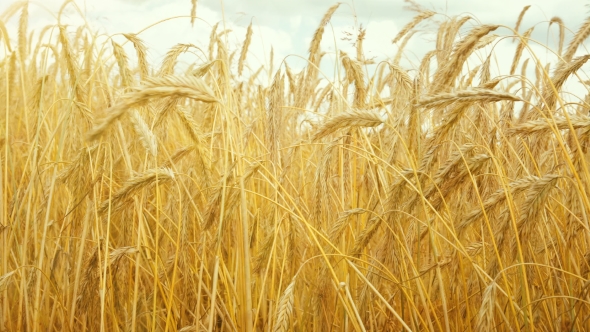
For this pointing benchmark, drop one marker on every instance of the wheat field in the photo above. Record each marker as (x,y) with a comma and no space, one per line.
(142,196)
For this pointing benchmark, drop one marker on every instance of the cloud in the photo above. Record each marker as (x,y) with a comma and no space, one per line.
(137,2)
(288,26)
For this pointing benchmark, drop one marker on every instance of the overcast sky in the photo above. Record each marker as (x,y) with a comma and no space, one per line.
(288,25)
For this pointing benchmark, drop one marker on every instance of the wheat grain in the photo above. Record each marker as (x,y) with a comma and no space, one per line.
(417,19)
(561,75)
(579,38)
(485,317)
(402,46)
(193,11)
(559,23)
(520,17)
(244,52)
(273,117)
(447,73)
(339,226)
(169,86)
(485,41)
(146,136)
(543,127)
(523,43)
(348,119)
(141,51)
(314,56)
(22,31)
(285,309)
(116,255)
(480,95)
(354,74)
(366,235)
(171,57)
(79,93)
(5,280)
(135,184)
(122,62)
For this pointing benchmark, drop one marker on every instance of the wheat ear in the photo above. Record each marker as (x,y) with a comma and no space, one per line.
(520,17)
(579,38)
(245,50)
(285,309)
(348,119)
(169,86)
(135,184)
(417,19)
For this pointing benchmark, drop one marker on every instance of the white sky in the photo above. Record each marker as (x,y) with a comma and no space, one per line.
(288,25)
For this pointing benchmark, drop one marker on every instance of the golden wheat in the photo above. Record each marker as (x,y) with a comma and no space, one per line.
(443,193)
